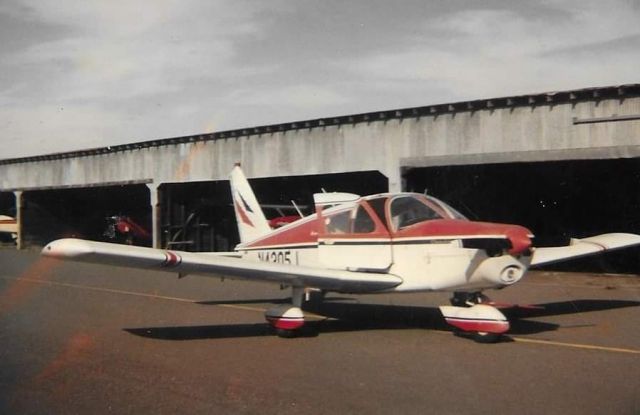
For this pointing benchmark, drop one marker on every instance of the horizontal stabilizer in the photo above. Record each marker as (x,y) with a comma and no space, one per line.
(583,247)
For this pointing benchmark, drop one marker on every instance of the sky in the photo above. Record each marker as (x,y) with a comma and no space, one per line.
(78,74)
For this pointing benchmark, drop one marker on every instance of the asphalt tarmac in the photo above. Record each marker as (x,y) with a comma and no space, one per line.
(80,339)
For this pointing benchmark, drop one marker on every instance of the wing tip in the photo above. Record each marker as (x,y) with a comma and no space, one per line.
(67,248)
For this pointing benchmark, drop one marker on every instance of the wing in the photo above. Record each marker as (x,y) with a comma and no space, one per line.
(583,247)
(218,265)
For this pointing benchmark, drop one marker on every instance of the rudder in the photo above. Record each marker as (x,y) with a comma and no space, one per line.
(252,224)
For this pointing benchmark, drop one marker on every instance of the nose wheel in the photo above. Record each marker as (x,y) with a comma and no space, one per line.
(472,313)
(466,299)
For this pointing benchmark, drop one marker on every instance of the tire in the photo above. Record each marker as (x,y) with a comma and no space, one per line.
(484,337)
(286,334)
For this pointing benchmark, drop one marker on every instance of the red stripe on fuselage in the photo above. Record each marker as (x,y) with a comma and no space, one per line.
(453,227)
(305,231)
(519,236)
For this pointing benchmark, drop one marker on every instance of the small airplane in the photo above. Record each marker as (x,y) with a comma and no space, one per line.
(391,242)
(8,224)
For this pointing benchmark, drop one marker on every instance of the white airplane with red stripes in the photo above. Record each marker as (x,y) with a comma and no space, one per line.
(392,242)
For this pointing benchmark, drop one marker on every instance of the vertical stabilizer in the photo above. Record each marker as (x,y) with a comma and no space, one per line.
(252,223)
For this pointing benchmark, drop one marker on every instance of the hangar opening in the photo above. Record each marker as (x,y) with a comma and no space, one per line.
(119,213)
(7,203)
(556,200)
(199,216)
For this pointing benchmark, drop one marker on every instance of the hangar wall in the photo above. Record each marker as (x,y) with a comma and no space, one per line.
(598,123)
(594,123)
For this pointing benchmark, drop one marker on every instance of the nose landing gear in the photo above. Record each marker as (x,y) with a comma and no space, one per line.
(471,313)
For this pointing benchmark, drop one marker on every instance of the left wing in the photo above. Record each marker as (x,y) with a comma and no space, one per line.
(218,265)
(583,247)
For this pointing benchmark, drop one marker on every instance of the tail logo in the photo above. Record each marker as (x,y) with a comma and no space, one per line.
(246,205)
(241,213)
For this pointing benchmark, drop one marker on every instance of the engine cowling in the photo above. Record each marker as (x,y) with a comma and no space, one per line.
(500,271)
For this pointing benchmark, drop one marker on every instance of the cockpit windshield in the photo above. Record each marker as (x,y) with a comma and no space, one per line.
(447,208)
(409,210)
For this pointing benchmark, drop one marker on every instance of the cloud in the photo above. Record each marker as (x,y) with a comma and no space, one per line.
(120,70)
(90,73)
(47,128)
(303,95)
(128,49)
(484,53)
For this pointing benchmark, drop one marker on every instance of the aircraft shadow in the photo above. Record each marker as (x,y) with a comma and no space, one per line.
(569,307)
(255,301)
(223,331)
(280,300)
(352,317)
(374,317)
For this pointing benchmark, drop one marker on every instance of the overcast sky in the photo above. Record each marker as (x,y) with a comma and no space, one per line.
(78,74)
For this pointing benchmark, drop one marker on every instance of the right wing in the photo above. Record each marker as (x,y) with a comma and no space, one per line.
(583,247)
(218,265)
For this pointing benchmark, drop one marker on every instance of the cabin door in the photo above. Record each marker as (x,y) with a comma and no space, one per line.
(354,239)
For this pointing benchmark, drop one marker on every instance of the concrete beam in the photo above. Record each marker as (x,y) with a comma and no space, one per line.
(515,157)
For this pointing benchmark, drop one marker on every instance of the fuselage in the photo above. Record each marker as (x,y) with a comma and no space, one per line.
(418,238)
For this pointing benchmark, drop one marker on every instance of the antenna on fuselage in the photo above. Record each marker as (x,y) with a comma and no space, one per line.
(293,202)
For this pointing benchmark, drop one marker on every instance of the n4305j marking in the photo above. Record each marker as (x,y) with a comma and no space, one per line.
(279,257)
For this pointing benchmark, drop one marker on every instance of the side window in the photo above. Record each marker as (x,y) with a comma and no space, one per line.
(363,222)
(338,223)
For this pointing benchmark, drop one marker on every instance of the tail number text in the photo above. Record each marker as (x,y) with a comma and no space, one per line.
(280,257)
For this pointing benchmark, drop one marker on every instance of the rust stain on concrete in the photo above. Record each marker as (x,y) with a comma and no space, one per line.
(21,289)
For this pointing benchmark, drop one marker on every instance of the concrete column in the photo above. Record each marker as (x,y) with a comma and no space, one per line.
(392,164)
(156,230)
(395,181)
(19,240)
(394,175)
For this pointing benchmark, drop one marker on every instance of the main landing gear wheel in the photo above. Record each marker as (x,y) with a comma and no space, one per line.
(286,333)
(287,319)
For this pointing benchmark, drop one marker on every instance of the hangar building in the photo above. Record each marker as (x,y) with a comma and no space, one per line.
(565,164)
